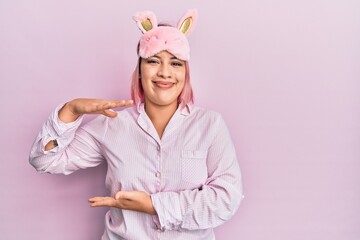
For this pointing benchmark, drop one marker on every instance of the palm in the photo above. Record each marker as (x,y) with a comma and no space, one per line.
(96,106)
(132,200)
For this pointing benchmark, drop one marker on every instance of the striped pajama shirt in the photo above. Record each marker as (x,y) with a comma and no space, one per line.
(191,173)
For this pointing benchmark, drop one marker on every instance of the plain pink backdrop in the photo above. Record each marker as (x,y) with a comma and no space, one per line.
(285,75)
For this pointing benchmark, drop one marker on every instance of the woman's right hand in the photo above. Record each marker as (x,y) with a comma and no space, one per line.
(73,109)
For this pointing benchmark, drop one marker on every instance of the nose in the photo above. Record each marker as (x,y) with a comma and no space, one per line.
(164,71)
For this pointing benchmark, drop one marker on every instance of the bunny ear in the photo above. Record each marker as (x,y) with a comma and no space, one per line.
(187,23)
(145,20)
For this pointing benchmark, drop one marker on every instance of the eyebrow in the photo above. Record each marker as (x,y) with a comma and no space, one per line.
(156,56)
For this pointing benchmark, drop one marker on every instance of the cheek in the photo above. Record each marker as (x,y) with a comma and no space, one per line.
(145,84)
(182,83)
(180,76)
(144,73)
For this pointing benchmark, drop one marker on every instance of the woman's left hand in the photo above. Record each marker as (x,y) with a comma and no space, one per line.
(132,200)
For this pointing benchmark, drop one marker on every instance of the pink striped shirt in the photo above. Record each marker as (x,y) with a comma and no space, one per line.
(191,173)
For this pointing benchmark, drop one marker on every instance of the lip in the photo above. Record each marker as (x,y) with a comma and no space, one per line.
(163,84)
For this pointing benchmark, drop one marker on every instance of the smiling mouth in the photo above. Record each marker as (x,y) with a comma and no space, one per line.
(163,84)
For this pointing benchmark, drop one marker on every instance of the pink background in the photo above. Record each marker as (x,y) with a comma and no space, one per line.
(284,74)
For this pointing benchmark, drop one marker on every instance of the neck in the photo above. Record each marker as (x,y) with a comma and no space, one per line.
(160,115)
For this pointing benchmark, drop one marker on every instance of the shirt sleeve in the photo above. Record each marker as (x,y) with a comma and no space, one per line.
(78,147)
(215,202)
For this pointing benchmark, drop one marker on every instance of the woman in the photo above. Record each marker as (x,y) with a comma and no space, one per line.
(172,169)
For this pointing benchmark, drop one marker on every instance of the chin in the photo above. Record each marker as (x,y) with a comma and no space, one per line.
(165,102)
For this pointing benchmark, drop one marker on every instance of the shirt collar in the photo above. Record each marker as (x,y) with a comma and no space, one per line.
(140,107)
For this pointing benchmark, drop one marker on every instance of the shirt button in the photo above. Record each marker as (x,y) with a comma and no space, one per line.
(157,174)
(158,148)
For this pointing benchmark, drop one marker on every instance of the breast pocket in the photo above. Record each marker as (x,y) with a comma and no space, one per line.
(193,167)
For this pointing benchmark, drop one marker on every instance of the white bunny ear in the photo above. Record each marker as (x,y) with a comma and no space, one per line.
(187,23)
(145,20)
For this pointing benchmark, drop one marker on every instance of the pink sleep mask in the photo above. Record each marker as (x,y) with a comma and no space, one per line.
(158,38)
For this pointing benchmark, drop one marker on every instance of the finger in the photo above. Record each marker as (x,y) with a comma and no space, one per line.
(100,108)
(94,107)
(129,102)
(114,104)
(107,107)
(122,103)
(119,195)
(95,199)
(104,107)
(109,113)
(102,202)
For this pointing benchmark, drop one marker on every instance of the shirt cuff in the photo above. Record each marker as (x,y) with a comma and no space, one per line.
(55,129)
(60,126)
(167,206)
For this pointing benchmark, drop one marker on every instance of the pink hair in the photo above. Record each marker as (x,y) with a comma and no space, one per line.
(137,93)
(158,37)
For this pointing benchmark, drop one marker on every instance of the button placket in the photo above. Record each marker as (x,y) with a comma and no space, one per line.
(158,170)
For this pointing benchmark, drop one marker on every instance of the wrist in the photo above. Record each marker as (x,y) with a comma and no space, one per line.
(150,207)
(67,114)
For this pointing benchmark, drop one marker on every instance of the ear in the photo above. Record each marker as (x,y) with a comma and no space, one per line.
(187,23)
(145,20)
